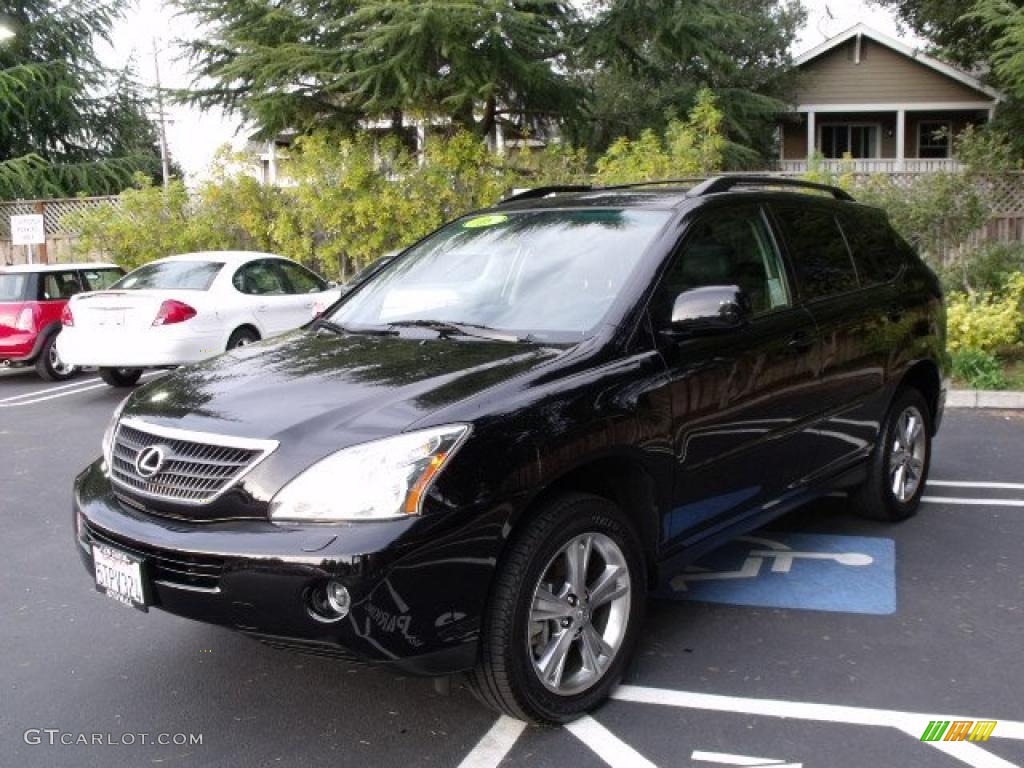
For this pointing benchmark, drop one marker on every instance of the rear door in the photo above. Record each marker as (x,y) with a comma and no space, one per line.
(850,354)
(739,398)
(310,292)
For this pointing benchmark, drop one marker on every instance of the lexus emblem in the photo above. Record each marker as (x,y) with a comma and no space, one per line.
(150,461)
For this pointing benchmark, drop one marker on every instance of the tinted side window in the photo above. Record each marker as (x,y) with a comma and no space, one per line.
(59,285)
(877,251)
(818,251)
(727,247)
(259,278)
(300,279)
(101,279)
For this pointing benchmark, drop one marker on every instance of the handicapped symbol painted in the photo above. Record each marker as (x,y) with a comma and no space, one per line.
(823,572)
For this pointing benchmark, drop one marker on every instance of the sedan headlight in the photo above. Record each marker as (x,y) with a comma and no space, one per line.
(382,480)
(108,434)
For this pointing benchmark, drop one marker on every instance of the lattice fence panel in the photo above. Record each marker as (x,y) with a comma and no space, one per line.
(53,211)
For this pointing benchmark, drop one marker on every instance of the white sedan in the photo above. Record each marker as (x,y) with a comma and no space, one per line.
(186,308)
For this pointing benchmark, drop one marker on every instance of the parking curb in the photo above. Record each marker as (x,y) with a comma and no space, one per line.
(982,398)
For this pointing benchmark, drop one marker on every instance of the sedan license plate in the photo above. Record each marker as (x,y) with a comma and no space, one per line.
(120,576)
(110,317)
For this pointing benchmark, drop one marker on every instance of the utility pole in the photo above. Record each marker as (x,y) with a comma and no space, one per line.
(164,164)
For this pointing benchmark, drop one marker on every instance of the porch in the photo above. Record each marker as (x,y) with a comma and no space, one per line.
(875,140)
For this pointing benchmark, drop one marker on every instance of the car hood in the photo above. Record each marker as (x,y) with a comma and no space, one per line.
(330,389)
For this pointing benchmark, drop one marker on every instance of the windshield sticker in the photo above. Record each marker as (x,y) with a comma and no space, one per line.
(485,221)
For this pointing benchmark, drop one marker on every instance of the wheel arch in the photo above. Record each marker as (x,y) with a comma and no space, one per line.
(246,326)
(621,479)
(924,376)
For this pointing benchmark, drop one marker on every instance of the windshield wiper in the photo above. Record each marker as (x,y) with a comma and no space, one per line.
(330,325)
(446,328)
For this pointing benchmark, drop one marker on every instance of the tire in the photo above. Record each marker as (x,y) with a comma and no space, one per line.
(121,377)
(242,337)
(508,675)
(879,497)
(48,364)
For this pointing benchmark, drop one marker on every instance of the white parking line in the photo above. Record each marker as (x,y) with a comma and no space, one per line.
(968,484)
(33,393)
(45,397)
(495,744)
(972,502)
(910,723)
(724,758)
(606,745)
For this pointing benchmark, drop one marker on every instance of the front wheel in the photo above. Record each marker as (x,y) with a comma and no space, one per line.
(565,613)
(49,366)
(899,466)
(121,377)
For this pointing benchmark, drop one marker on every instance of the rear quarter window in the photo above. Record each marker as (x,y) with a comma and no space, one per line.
(878,251)
(101,279)
(817,250)
(17,286)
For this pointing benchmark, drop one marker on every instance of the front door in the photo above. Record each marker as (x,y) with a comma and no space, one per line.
(739,397)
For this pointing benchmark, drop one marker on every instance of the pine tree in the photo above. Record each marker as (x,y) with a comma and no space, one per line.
(68,125)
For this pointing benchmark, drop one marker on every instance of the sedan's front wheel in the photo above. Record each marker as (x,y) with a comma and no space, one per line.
(565,613)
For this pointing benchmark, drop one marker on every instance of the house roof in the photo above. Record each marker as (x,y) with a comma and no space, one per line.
(912,53)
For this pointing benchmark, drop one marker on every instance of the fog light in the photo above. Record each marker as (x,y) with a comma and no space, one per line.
(338,598)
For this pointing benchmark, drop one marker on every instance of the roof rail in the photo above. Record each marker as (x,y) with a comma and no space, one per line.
(535,192)
(728,182)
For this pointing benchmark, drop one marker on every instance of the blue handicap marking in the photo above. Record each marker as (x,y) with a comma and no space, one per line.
(818,572)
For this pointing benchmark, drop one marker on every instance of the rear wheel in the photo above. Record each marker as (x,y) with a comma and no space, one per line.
(242,337)
(565,613)
(899,466)
(49,365)
(121,377)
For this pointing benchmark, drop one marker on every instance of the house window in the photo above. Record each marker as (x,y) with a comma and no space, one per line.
(933,138)
(859,140)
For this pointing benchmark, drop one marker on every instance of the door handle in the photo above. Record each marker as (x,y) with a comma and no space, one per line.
(801,340)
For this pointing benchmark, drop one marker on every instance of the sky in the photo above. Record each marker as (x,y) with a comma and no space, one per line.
(194,136)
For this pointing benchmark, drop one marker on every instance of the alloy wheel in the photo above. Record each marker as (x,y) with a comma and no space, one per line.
(579,613)
(58,365)
(907,456)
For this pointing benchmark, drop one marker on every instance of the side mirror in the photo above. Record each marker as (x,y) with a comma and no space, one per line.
(332,284)
(710,309)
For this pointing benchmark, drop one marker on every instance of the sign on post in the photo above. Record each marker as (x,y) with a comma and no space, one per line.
(28,230)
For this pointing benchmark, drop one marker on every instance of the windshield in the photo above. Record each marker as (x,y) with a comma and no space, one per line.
(171,275)
(551,275)
(16,287)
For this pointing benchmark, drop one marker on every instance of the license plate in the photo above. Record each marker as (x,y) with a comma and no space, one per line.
(120,576)
(110,317)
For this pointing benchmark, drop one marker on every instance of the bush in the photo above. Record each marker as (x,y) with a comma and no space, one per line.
(986,268)
(978,369)
(986,322)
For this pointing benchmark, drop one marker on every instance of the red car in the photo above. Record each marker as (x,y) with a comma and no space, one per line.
(32,298)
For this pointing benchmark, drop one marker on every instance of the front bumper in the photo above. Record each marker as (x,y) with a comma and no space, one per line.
(416,600)
(132,348)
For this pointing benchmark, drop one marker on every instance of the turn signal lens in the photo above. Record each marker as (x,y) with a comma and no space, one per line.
(26,320)
(172,311)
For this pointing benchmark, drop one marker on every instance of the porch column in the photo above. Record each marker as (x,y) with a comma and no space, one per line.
(901,138)
(811,134)
(271,179)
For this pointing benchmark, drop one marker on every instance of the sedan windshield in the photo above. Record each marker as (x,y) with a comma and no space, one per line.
(171,275)
(550,275)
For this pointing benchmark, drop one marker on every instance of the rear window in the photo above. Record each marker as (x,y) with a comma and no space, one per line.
(818,251)
(877,249)
(17,286)
(171,275)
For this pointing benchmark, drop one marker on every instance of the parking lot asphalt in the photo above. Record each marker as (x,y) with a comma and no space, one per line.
(823,640)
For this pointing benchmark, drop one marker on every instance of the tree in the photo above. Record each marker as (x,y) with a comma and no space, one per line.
(643,62)
(311,65)
(68,125)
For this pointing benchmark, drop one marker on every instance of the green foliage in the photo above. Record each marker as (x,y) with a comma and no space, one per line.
(68,125)
(978,369)
(690,148)
(986,321)
(986,269)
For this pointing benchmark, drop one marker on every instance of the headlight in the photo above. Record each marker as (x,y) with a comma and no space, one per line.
(382,480)
(108,435)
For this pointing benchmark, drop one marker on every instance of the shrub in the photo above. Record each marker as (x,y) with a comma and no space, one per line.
(986,268)
(986,321)
(978,369)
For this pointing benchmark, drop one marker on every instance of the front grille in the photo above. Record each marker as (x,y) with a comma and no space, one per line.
(196,467)
(178,569)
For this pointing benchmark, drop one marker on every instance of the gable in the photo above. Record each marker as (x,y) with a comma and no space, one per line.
(883,76)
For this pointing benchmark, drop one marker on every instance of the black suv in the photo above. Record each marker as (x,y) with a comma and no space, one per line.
(483,457)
